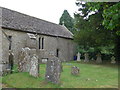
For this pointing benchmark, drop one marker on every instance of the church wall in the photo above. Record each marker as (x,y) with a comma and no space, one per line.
(0,52)
(4,53)
(51,44)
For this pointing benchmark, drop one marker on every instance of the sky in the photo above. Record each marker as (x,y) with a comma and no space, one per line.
(49,10)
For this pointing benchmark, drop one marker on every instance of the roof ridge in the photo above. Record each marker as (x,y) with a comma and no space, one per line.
(29,15)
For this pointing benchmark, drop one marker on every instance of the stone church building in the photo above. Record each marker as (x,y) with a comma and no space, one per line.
(15,28)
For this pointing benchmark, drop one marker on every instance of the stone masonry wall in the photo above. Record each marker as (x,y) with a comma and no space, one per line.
(0,52)
(4,51)
(51,44)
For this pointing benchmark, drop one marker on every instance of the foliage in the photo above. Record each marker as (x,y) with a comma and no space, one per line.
(99,77)
(111,14)
(111,20)
(91,35)
(67,20)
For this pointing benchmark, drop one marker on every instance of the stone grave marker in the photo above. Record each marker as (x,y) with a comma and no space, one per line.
(75,70)
(98,60)
(53,70)
(92,59)
(78,56)
(86,57)
(34,66)
(24,60)
(113,60)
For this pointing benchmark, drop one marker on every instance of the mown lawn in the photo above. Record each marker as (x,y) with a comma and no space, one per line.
(91,76)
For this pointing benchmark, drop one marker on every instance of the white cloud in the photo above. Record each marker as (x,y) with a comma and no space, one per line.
(50,10)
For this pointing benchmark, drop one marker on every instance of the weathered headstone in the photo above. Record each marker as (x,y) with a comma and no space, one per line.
(98,60)
(34,66)
(53,70)
(113,60)
(86,57)
(75,70)
(27,53)
(24,60)
(78,56)
(92,59)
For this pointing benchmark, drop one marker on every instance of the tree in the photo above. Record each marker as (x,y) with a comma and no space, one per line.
(111,20)
(67,20)
(92,36)
(110,12)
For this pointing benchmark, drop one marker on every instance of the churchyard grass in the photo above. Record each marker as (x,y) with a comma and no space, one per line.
(91,76)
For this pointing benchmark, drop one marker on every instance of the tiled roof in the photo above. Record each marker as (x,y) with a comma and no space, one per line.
(18,21)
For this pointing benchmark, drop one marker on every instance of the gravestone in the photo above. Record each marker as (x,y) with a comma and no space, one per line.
(98,60)
(92,59)
(24,60)
(34,66)
(78,56)
(27,53)
(53,70)
(86,57)
(113,60)
(75,70)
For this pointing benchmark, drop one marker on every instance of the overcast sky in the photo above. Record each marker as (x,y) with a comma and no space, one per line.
(50,10)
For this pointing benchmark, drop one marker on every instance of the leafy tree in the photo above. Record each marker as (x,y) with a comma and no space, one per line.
(111,20)
(110,12)
(67,20)
(92,36)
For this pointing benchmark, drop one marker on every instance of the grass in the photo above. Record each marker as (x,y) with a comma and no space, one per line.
(91,76)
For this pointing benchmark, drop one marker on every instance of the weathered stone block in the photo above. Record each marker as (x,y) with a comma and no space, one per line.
(75,70)
(24,60)
(53,70)
(34,66)
(86,57)
(98,60)
(78,57)
(113,60)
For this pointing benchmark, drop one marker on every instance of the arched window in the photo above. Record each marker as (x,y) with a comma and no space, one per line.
(57,53)
(41,42)
(10,39)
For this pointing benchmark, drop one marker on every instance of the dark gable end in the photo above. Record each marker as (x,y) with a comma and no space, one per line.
(18,21)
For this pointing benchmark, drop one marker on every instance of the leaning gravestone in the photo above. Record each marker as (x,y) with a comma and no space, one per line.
(78,56)
(24,60)
(53,70)
(113,60)
(34,66)
(86,57)
(99,60)
(75,70)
